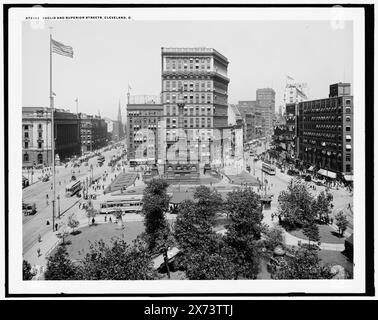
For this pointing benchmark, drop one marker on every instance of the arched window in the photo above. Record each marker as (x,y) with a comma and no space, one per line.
(40,158)
(26,157)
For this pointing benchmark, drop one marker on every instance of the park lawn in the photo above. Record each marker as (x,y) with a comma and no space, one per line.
(335,258)
(105,231)
(327,234)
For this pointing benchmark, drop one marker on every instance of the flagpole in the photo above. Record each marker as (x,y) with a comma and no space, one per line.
(52,133)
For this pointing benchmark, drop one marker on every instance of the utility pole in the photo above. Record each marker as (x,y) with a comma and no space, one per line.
(52,133)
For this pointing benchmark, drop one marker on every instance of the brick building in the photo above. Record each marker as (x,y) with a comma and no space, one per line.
(93,132)
(144,120)
(325,132)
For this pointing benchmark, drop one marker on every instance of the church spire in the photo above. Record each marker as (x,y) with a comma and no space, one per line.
(119,118)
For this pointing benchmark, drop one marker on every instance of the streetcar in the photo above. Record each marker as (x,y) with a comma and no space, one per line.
(125,203)
(100,160)
(73,188)
(268,168)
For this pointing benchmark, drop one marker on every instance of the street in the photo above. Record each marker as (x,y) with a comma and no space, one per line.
(34,225)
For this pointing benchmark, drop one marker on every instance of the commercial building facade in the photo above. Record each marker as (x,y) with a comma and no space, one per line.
(144,128)
(266,100)
(194,98)
(325,132)
(36,135)
(93,132)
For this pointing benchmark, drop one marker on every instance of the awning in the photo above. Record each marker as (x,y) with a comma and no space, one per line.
(311,168)
(327,173)
(348,137)
(348,177)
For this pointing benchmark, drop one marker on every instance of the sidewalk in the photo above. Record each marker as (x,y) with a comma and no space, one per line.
(293,240)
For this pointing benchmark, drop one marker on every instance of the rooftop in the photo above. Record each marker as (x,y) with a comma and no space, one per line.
(197,50)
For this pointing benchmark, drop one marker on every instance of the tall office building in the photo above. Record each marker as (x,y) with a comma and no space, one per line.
(266,98)
(325,132)
(194,98)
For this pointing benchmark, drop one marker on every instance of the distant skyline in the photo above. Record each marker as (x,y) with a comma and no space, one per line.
(110,55)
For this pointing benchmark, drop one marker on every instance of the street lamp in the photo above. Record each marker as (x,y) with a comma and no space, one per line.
(58,198)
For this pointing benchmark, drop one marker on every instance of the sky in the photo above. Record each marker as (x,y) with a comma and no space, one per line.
(109,55)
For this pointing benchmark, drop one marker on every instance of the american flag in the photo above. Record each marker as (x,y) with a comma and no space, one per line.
(61,49)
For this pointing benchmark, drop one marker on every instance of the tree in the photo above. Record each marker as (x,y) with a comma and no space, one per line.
(322,206)
(302,264)
(155,204)
(204,254)
(164,242)
(295,205)
(63,232)
(27,273)
(341,222)
(192,230)
(73,222)
(60,267)
(244,231)
(311,231)
(274,237)
(209,266)
(208,201)
(118,261)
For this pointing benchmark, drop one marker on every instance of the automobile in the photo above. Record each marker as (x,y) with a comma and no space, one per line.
(308,178)
(29,208)
(45,178)
(292,172)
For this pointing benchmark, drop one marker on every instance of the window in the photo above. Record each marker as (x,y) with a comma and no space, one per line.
(347,109)
(26,157)
(39,145)
(39,134)
(40,158)
(347,168)
(347,157)
(39,126)
(26,134)
(26,127)
(347,128)
(347,119)
(26,145)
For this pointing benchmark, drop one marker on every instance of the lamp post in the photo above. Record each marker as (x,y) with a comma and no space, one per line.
(58,198)
(210,151)
(199,146)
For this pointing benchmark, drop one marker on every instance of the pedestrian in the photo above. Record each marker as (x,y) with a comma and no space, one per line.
(105,218)
(56,227)
(110,219)
(93,220)
(79,205)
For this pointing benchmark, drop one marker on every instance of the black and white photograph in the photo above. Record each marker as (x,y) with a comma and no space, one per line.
(186,150)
